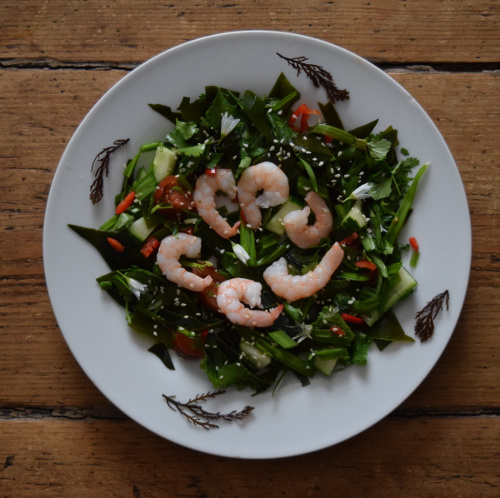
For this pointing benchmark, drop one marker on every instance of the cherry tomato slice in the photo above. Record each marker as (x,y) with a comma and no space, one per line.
(190,347)
(169,191)
(208,297)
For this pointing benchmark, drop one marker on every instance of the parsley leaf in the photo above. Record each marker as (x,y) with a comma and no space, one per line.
(194,150)
(182,132)
(381,190)
(379,149)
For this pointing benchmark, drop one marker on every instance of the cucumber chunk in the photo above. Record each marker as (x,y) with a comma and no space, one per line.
(275,223)
(140,229)
(164,162)
(400,291)
(325,366)
(254,355)
(355,219)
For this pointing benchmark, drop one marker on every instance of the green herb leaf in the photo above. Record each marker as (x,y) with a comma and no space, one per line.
(379,149)
(182,132)
(382,189)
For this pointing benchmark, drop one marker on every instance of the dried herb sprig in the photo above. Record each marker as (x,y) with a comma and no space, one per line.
(318,75)
(196,415)
(424,328)
(96,189)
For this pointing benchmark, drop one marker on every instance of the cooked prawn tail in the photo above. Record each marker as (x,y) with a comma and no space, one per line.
(233,231)
(276,312)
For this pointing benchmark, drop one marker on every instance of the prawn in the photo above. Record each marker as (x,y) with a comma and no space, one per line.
(171,248)
(302,234)
(265,177)
(236,291)
(204,199)
(293,287)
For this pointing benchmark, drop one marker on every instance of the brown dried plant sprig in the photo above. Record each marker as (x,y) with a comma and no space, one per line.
(424,327)
(318,75)
(196,415)
(96,189)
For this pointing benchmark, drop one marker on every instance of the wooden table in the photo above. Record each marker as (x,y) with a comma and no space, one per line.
(58,434)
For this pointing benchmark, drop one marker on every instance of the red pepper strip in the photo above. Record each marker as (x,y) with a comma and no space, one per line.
(372,267)
(414,244)
(189,231)
(243,217)
(305,112)
(349,239)
(126,203)
(351,318)
(366,264)
(327,139)
(150,246)
(116,245)
(337,330)
(210,171)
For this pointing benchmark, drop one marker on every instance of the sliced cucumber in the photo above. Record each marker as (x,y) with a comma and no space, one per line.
(275,223)
(325,366)
(164,162)
(254,355)
(400,291)
(140,229)
(355,219)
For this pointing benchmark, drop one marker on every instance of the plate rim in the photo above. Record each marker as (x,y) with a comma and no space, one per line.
(186,46)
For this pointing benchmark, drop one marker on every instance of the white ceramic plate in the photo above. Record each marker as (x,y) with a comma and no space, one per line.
(295,420)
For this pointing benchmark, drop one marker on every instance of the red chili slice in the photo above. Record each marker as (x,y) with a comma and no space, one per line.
(414,244)
(366,264)
(337,330)
(126,203)
(150,246)
(349,239)
(304,112)
(353,319)
(116,244)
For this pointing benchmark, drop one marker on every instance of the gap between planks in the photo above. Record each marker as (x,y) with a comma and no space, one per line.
(419,67)
(111,413)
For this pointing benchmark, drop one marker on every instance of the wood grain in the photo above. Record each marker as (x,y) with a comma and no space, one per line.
(123,32)
(69,457)
(58,435)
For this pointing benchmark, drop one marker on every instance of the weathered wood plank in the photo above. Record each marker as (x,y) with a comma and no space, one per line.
(389,31)
(449,457)
(41,110)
